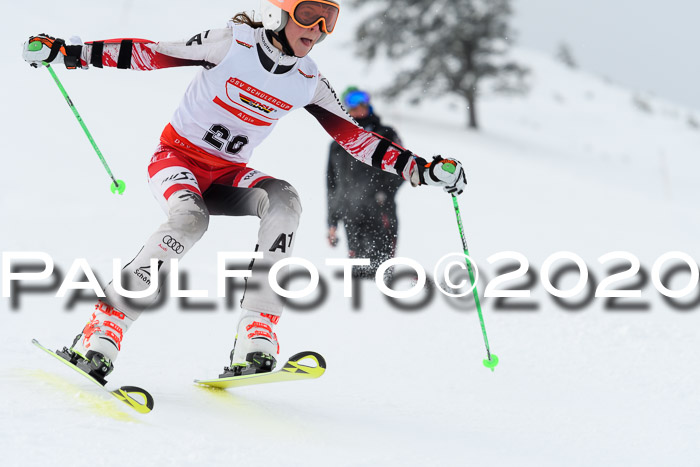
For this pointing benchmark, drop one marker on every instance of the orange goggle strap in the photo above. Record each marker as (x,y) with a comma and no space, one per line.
(328,23)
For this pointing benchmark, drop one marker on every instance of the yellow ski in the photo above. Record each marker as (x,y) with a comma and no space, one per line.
(293,370)
(124,393)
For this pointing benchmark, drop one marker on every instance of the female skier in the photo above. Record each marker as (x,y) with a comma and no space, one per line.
(252,74)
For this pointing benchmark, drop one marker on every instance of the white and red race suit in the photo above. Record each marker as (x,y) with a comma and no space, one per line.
(246,85)
(200,168)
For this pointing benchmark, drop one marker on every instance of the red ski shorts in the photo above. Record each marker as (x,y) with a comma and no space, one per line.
(171,170)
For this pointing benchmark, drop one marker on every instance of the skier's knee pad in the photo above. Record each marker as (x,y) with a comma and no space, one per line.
(188,214)
(282,198)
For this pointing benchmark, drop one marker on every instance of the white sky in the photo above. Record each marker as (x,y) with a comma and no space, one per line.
(647,45)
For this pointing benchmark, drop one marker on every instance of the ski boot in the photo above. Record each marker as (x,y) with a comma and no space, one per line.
(95,349)
(255,347)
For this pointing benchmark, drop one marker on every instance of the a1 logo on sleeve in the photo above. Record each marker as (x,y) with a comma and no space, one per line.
(197,38)
(282,242)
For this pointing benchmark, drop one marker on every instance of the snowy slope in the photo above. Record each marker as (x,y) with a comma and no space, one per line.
(574,166)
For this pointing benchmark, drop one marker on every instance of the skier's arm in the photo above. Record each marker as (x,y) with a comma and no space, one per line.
(206,49)
(381,152)
(363,145)
(391,183)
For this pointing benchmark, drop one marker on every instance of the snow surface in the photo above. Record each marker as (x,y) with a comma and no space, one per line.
(574,166)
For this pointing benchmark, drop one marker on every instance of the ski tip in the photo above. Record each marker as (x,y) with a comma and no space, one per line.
(315,356)
(125,394)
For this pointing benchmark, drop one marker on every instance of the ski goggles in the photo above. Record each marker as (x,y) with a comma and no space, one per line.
(356,98)
(308,13)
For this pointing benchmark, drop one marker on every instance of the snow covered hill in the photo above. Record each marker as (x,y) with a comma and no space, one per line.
(580,164)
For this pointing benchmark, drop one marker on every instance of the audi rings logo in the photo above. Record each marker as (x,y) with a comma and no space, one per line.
(174,245)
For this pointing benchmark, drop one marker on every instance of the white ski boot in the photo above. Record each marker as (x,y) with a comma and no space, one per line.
(100,342)
(255,347)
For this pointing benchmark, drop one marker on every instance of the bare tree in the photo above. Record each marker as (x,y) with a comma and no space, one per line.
(458,43)
(565,55)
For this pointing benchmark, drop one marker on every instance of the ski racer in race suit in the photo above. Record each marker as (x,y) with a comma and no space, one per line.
(251,75)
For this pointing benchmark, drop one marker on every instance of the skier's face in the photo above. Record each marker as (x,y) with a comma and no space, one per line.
(361,111)
(301,39)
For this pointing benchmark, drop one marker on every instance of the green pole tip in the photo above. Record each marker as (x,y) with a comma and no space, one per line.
(35,46)
(491,364)
(118,187)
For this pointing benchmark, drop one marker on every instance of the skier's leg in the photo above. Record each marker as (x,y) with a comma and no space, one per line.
(372,245)
(384,236)
(277,204)
(279,219)
(359,245)
(352,235)
(187,221)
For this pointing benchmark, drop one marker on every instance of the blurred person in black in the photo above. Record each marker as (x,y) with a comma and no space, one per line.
(361,196)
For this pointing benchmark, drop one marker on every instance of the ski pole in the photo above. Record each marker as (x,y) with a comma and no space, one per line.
(492,359)
(118,186)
